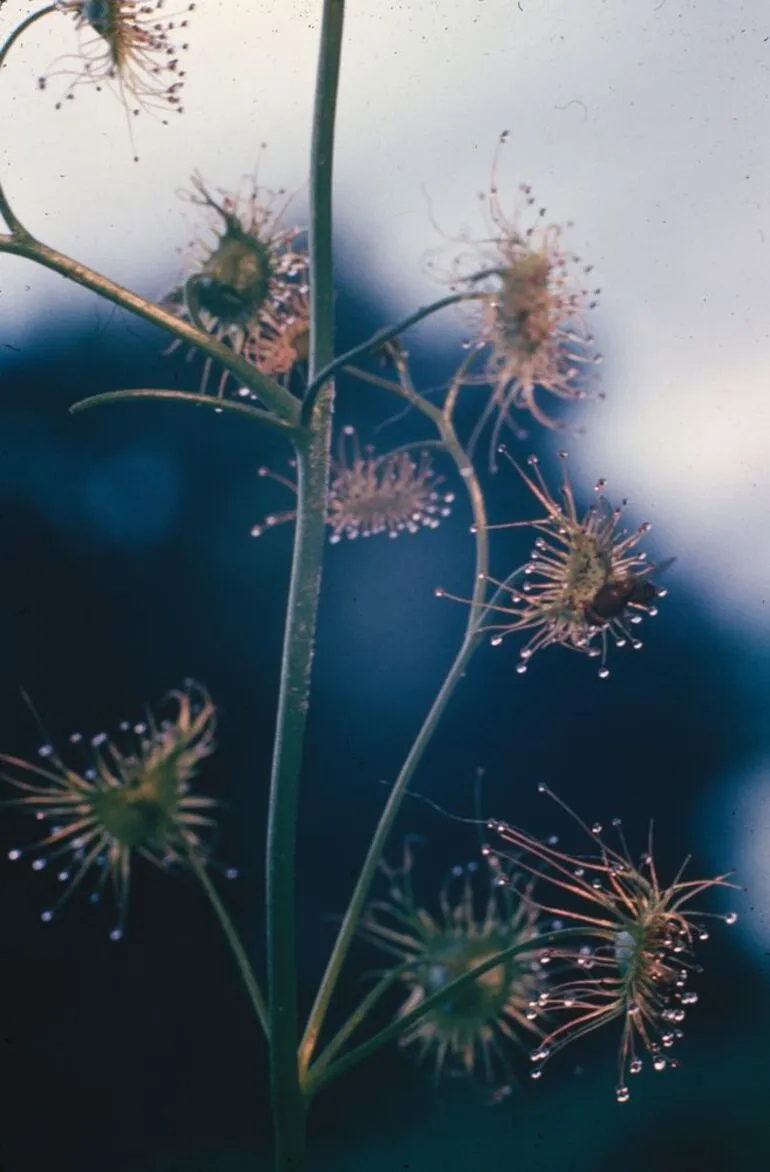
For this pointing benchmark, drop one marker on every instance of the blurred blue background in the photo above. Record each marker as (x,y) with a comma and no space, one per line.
(128,566)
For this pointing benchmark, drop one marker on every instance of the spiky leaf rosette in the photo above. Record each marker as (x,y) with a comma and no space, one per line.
(133,798)
(369,494)
(466,1034)
(529,318)
(637,961)
(246,283)
(585,579)
(133,46)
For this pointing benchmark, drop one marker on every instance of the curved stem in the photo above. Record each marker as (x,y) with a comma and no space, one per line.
(270,392)
(313,456)
(377,339)
(457,383)
(255,413)
(321,1074)
(360,1013)
(453,677)
(429,445)
(233,939)
(8,214)
(375,380)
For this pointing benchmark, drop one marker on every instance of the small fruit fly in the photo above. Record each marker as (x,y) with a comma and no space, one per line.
(636,592)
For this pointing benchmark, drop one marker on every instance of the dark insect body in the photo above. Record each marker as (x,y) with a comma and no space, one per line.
(635,592)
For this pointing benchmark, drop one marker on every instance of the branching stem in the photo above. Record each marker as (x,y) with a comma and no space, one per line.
(456,672)
(270,392)
(377,339)
(233,939)
(320,1073)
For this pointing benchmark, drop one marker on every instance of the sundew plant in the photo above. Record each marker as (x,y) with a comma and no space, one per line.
(531,946)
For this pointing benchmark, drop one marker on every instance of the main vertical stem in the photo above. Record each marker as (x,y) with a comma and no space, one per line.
(299,637)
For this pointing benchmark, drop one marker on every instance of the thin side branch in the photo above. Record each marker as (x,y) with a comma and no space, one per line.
(12,220)
(218,405)
(377,339)
(233,939)
(270,392)
(321,1074)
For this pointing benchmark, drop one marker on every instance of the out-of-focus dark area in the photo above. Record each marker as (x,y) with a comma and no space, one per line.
(129,566)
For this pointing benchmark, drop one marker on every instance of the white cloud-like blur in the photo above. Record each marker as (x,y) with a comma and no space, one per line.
(646,123)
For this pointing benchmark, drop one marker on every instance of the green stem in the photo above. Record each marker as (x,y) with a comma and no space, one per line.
(270,392)
(377,339)
(232,405)
(299,640)
(453,677)
(233,939)
(288,1103)
(11,219)
(359,1015)
(321,259)
(320,1074)
(429,445)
